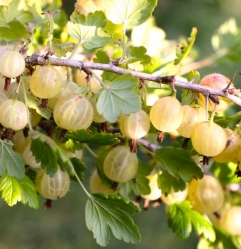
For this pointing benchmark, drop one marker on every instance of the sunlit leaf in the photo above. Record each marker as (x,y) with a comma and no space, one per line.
(128,12)
(88,31)
(15,190)
(11,161)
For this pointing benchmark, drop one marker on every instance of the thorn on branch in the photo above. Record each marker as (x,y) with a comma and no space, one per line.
(86,70)
(167,79)
(142,84)
(214,98)
(225,90)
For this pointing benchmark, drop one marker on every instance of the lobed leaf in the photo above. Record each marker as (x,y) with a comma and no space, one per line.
(139,185)
(101,139)
(178,163)
(120,96)
(128,12)
(11,161)
(181,218)
(89,31)
(48,153)
(15,190)
(111,212)
(166,182)
(138,54)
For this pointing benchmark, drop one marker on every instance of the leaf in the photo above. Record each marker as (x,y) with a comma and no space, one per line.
(11,161)
(225,121)
(167,183)
(86,6)
(34,102)
(88,31)
(14,190)
(187,95)
(79,168)
(14,30)
(111,212)
(224,238)
(48,153)
(85,136)
(225,172)
(120,96)
(101,57)
(178,163)
(61,49)
(184,48)
(139,185)
(138,54)
(181,218)
(128,12)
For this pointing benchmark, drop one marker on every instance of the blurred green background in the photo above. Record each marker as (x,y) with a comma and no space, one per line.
(63,226)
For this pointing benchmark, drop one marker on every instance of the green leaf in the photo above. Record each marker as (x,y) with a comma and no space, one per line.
(111,212)
(79,168)
(139,185)
(48,153)
(120,96)
(14,30)
(167,183)
(187,95)
(178,163)
(128,12)
(8,14)
(61,49)
(101,57)
(11,161)
(225,172)
(226,121)
(184,48)
(138,54)
(224,238)
(181,218)
(88,31)
(14,190)
(34,102)
(86,136)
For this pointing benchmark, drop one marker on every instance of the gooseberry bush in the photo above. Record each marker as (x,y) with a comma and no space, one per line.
(106,80)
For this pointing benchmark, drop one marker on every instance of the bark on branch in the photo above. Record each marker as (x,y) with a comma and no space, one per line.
(36,59)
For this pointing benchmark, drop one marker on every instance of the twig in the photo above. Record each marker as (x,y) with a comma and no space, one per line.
(40,60)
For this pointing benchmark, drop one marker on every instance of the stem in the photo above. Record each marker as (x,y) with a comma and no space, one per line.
(26,104)
(74,50)
(90,150)
(123,41)
(81,184)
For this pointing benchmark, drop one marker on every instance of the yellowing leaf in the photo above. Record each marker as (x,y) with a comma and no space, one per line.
(88,31)
(129,12)
(14,190)
(86,6)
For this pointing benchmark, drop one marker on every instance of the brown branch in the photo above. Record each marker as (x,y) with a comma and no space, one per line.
(40,60)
